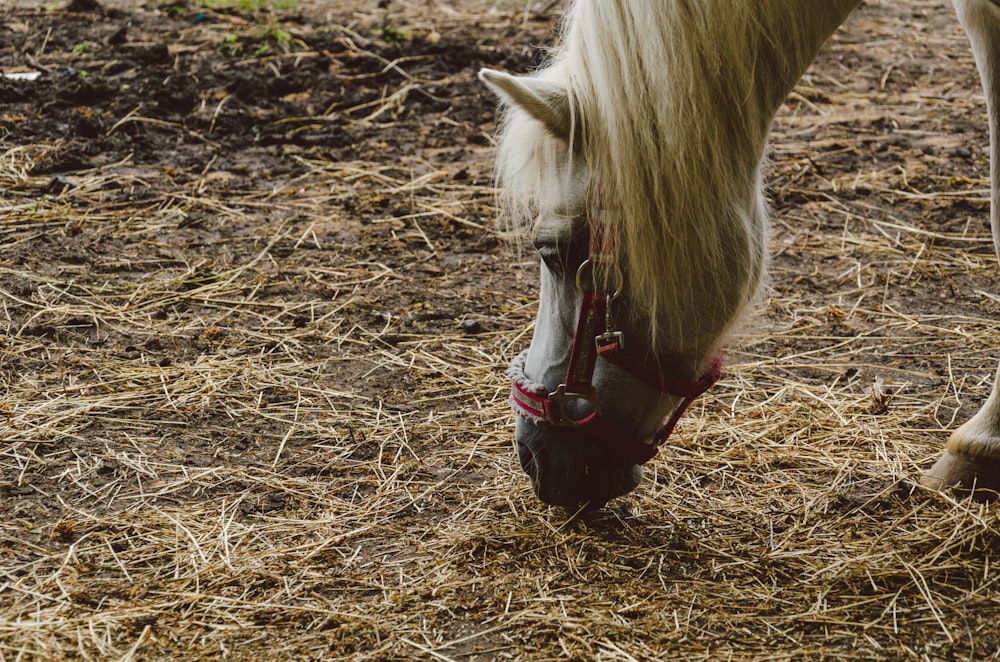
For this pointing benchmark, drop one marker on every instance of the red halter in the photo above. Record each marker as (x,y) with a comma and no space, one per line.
(596,336)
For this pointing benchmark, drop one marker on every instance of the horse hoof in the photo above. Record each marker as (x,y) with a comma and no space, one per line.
(965,474)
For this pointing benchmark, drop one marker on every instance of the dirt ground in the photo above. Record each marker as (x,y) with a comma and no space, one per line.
(256,313)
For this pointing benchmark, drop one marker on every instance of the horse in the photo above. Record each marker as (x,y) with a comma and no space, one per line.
(633,159)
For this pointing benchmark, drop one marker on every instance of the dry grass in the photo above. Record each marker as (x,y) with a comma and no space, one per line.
(242,450)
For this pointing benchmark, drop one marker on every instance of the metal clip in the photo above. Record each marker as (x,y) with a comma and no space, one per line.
(611,337)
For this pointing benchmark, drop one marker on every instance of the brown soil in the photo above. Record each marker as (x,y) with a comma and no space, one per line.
(250,279)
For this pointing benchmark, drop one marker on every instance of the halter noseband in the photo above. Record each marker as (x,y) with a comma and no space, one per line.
(595,336)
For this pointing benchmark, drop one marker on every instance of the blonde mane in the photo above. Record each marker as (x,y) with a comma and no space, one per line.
(671,102)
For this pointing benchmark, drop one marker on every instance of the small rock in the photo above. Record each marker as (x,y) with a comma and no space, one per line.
(58,184)
(119,37)
(83,6)
(471,327)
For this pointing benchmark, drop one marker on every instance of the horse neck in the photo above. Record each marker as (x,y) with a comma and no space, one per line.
(984,35)
(675,101)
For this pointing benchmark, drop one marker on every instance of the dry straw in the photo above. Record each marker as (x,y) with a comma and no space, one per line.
(282,446)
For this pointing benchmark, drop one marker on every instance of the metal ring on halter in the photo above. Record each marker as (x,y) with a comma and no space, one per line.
(587,264)
(561,399)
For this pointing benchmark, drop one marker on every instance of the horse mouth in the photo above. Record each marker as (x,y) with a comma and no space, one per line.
(570,470)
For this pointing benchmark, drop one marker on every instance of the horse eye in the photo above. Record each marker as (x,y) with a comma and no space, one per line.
(552,257)
(562,245)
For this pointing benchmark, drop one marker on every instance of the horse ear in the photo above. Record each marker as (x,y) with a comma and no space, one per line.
(546,101)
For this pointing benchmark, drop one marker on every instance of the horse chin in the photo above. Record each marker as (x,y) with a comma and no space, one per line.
(570,469)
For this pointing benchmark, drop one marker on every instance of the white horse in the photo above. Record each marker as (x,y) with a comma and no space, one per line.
(634,158)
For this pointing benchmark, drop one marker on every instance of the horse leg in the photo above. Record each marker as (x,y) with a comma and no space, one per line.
(972,456)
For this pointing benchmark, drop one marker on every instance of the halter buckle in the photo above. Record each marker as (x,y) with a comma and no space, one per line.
(608,341)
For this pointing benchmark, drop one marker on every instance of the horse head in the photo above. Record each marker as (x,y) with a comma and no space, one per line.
(589,410)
